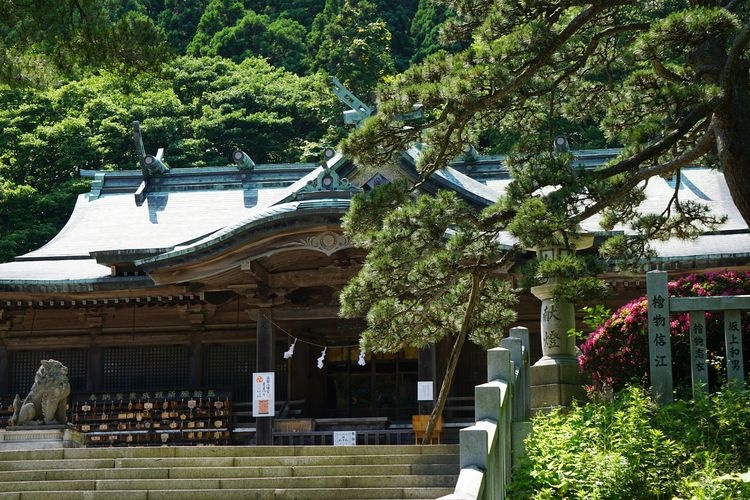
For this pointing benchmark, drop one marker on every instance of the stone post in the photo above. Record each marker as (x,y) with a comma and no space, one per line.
(659,337)
(555,378)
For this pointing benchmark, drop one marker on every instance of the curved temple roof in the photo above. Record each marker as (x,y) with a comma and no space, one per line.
(192,210)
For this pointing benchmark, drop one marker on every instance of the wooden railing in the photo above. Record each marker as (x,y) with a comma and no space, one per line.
(502,409)
(660,306)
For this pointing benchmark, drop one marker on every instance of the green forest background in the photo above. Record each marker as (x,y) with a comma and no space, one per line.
(209,76)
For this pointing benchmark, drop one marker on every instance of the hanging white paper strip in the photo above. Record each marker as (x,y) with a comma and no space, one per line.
(322,357)
(288,354)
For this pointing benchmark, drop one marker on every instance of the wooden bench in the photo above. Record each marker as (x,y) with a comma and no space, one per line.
(419,425)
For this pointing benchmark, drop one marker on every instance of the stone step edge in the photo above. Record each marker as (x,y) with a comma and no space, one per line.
(396,460)
(198,451)
(167,477)
(400,469)
(95,482)
(337,493)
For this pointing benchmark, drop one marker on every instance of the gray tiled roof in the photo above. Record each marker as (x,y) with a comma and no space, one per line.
(700,184)
(165,219)
(191,210)
(29,271)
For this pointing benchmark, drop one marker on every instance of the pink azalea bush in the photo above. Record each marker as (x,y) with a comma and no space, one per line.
(616,352)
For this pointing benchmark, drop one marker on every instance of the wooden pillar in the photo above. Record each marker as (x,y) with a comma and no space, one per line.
(4,354)
(4,371)
(426,373)
(94,368)
(94,318)
(195,363)
(264,363)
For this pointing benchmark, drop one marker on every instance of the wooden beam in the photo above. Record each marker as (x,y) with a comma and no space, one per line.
(331,276)
(686,304)
(299,313)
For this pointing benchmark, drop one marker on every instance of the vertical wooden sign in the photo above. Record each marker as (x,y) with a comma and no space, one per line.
(659,340)
(698,352)
(733,339)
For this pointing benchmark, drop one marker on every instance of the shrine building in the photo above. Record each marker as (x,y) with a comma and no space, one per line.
(194,278)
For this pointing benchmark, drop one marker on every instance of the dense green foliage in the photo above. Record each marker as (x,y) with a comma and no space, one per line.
(415,285)
(203,78)
(631,449)
(666,80)
(430,274)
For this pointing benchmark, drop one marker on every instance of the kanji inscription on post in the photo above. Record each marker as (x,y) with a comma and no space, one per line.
(698,353)
(660,348)
(733,340)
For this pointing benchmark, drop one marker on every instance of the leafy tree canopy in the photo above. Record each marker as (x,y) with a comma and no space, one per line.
(43,40)
(354,45)
(422,258)
(668,80)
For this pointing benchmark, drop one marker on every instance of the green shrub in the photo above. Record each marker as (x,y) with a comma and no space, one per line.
(630,448)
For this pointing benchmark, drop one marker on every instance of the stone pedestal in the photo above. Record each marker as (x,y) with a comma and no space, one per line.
(555,384)
(36,438)
(556,378)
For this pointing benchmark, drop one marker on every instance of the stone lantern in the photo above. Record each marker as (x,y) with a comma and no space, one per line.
(555,378)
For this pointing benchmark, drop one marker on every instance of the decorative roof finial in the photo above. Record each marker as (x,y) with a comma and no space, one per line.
(243,161)
(150,164)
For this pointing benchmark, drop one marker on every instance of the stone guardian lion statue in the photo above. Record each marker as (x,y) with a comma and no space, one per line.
(47,399)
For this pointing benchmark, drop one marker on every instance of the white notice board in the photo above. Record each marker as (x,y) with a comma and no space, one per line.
(424,391)
(263,394)
(344,438)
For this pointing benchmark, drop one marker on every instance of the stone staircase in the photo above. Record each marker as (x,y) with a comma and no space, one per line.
(230,472)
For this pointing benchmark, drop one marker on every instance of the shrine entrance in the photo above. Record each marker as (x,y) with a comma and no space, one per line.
(386,386)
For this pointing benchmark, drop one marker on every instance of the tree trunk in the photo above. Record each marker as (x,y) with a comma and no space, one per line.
(477,281)
(732,130)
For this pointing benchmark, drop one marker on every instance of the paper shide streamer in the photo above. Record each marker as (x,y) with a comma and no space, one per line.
(322,357)
(289,353)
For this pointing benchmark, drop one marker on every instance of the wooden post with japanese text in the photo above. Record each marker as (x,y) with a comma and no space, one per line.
(659,340)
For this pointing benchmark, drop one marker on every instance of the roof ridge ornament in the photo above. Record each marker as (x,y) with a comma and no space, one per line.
(328,179)
(359,111)
(243,160)
(151,165)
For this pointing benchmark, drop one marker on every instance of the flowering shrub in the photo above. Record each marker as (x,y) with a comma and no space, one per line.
(617,351)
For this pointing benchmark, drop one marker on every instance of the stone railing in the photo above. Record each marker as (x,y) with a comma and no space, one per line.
(660,306)
(502,410)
